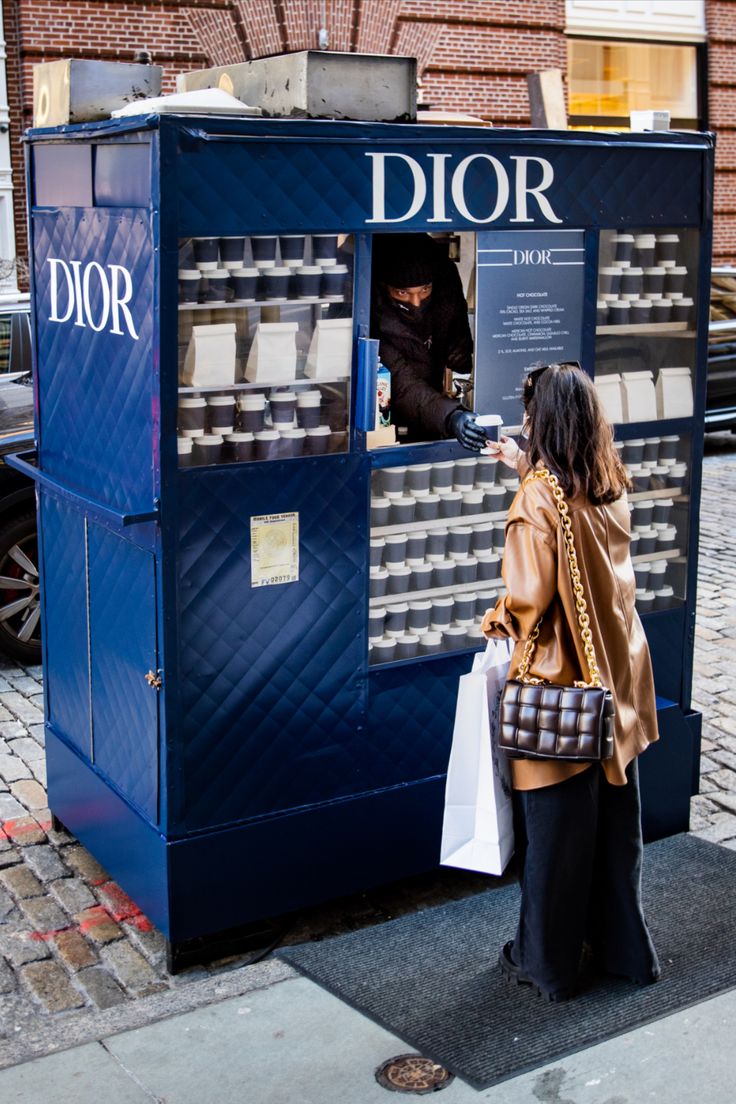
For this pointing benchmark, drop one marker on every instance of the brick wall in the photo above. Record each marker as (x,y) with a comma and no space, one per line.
(473,55)
(721,26)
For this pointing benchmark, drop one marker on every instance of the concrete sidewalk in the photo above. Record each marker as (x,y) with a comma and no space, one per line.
(293,1043)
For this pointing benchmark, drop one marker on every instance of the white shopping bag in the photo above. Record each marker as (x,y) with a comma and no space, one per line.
(477,829)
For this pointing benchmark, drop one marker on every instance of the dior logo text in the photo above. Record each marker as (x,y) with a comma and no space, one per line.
(496,187)
(96,297)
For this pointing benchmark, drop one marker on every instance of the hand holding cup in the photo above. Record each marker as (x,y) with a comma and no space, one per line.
(507,451)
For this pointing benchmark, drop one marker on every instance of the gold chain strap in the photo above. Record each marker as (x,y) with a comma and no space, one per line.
(583,619)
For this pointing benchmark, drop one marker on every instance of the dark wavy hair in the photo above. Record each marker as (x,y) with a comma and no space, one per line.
(569,434)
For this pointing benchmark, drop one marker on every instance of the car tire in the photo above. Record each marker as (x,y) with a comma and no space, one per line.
(20,609)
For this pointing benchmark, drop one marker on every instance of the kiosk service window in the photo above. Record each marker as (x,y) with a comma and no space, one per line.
(265,347)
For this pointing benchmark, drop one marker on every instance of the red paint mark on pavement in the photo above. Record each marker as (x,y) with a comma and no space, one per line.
(94,916)
(141,922)
(23,827)
(121,907)
(43,937)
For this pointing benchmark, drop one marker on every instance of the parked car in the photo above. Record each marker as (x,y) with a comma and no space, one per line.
(720,400)
(20,612)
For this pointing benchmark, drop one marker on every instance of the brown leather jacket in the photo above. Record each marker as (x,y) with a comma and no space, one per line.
(537,578)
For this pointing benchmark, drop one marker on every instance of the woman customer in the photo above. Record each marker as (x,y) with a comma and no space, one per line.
(579,844)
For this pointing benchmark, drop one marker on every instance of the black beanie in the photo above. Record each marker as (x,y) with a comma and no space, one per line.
(405,260)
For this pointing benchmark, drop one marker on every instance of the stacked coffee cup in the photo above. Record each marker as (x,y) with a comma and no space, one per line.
(413,626)
(225,428)
(655,464)
(445,568)
(644,283)
(262,267)
(204,425)
(287,423)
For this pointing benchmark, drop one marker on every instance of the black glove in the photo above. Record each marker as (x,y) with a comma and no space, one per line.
(463,425)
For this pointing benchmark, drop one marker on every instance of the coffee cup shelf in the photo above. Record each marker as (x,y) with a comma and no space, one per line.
(243,304)
(264,385)
(653,329)
(438,523)
(670,554)
(662,492)
(487,586)
(384,665)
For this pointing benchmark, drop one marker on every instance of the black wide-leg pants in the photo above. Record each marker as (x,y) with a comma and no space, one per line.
(579,853)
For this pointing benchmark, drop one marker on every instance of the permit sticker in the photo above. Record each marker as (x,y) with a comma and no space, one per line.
(274,549)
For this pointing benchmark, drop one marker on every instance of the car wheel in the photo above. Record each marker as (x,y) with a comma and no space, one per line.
(20,602)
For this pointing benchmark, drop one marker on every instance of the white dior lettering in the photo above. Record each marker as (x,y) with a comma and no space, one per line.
(56,266)
(119,302)
(532,256)
(523,190)
(76,282)
(93,266)
(496,190)
(379,183)
(502,187)
(75,265)
(438,186)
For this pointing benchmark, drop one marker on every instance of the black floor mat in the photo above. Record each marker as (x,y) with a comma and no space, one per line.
(432,977)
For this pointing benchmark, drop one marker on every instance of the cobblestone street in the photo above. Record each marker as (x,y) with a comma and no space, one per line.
(75,950)
(713,811)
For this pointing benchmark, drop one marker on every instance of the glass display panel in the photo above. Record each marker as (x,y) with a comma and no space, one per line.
(437,539)
(437,534)
(660,505)
(265,347)
(646,316)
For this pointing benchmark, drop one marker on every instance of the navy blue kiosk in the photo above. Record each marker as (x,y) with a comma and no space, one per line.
(256,606)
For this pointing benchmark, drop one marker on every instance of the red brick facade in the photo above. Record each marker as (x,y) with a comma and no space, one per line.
(473,54)
(721,27)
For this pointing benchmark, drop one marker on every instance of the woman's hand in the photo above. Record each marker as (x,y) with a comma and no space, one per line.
(506,450)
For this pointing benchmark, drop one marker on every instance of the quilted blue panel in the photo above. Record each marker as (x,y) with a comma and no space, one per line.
(411,714)
(97,406)
(227,187)
(64,589)
(271,678)
(122,597)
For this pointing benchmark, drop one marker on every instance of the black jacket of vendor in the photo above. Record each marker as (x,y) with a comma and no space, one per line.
(418,344)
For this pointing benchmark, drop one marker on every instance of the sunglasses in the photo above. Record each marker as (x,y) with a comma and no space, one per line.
(533,377)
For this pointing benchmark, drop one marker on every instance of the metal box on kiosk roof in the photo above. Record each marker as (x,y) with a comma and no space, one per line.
(234,727)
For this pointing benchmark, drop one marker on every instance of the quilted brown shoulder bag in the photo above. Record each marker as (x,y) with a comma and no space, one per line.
(539,720)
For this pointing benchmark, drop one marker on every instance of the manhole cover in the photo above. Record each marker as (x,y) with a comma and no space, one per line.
(410,1073)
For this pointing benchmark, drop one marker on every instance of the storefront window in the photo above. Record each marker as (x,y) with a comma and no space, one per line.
(609,79)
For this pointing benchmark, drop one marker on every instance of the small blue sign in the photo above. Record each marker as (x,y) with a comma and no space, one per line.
(529,308)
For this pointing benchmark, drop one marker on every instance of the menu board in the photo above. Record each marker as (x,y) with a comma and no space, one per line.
(529,310)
